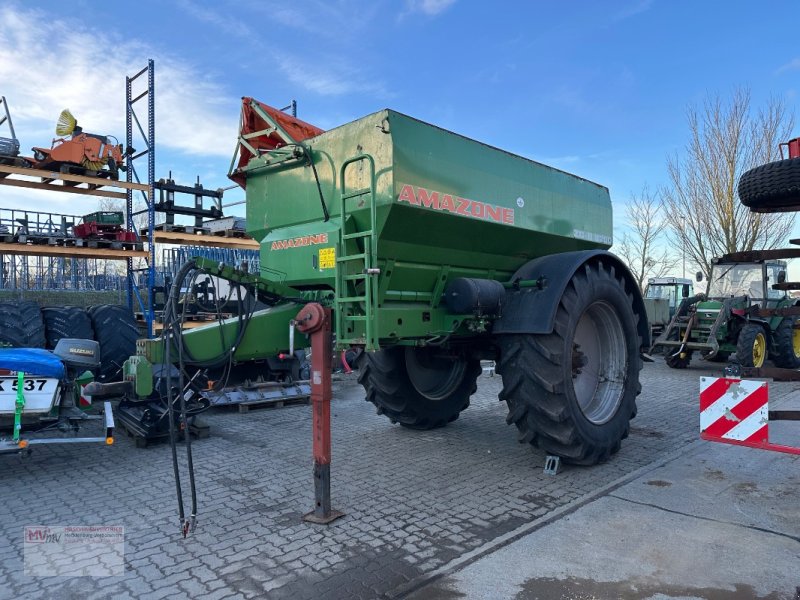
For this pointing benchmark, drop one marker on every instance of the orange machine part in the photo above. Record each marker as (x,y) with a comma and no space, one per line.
(81,146)
(252,121)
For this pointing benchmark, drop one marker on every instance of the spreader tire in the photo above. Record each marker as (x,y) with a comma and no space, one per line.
(66,322)
(751,346)
(573,392)
(116,331)
(786,345)
(389,378)
(12,330)
(771,187)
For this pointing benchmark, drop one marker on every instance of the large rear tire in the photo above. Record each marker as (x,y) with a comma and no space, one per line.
(116,331)
(773,187)
(420,388)
(573,392)
(66,322)
(786,343)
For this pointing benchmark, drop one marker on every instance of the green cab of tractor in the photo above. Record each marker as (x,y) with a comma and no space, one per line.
(734,319)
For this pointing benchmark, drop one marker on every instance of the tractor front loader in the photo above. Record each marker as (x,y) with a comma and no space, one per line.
(733,319)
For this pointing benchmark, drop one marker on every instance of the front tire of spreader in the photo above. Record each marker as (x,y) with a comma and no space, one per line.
(572,392)
(416,388)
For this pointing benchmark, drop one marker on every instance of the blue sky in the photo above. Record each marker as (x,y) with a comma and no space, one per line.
(596,88)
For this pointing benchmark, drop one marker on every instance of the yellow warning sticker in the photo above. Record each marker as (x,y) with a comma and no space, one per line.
(327,258)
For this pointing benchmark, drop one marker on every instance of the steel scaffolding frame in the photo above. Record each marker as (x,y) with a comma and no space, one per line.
(58,273)
(149,153)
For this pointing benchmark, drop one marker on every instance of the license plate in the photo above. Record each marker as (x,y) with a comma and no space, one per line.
(39,392)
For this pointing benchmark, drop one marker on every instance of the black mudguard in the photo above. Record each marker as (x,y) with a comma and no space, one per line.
(532,309)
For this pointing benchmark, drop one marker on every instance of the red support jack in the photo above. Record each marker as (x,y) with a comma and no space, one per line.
(315,321)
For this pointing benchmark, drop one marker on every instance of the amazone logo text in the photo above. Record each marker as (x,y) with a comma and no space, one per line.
(305,240)
(453,204)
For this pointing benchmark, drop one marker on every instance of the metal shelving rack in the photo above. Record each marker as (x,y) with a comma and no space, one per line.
(134,158)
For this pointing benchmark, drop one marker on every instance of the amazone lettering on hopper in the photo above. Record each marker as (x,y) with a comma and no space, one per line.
(420,196)
(305,240)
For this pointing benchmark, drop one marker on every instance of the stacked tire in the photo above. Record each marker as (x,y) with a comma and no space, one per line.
(773,187)
(21,325)
(116,331)
(66,322)
(112,326)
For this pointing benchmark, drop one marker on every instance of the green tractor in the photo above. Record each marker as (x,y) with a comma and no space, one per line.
(662,298)
(731,320)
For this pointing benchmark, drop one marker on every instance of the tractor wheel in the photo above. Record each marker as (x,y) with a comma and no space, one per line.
(33,324)
(786,345)
(773,187)
(677,360)
(751,347)
(116,331)
(420,388)
(12,329)
(573,392)
(66,322)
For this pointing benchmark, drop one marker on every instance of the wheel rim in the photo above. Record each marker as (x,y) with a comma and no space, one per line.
(599,360)
(796,342)
(433,375)
(759,349)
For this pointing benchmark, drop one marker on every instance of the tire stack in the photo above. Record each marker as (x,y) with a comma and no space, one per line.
(116,331)
(66,322)
(21,325)
(773,187)
(112,326)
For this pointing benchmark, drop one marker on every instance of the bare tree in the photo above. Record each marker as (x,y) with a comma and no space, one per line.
(642,245)
(705,217)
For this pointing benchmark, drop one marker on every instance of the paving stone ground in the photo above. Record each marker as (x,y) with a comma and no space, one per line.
(413,500)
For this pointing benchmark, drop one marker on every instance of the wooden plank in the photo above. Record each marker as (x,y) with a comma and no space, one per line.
(61,188)
(173,237)
(71,252)
(41,173)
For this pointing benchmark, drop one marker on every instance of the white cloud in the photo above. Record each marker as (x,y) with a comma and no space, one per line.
(333,78)
(428,7)
(226,23)
(193,114)
(792,65)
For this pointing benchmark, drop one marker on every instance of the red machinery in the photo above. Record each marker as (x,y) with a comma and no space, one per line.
(793,146)
(104,225)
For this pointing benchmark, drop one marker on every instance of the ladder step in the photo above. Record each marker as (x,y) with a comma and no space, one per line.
(360,234)
(359,192)
(351,299)
(354,317)
(349,257)
(355,277)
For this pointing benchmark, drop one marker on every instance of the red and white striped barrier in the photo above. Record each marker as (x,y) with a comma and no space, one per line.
(736,411)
